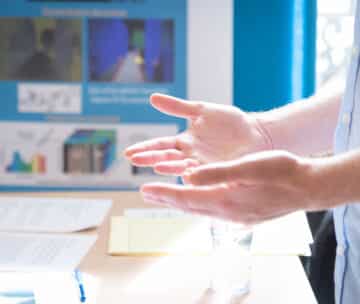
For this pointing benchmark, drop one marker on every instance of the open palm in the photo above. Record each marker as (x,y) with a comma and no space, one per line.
(215,133)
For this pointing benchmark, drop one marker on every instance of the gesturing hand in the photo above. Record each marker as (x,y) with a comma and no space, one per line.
(215,133)
(254,188)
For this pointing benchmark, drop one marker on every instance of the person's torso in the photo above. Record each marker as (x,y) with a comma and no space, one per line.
(347,218)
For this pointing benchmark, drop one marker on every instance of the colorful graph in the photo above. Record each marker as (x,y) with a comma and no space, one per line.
(18,165)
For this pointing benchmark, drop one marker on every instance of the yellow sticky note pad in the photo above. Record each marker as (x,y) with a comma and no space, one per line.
(160,236)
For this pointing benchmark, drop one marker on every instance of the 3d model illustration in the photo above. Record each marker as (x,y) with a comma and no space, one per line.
(89,151)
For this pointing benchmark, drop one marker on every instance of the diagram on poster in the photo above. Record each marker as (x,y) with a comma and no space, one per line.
(75,78)
(82,155)
(49,98)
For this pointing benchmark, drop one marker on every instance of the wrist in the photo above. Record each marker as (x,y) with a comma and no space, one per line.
(263,130)
(285,123)
(268,124)
(326,184)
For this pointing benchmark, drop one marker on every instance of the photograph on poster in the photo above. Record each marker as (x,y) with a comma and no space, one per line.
(131,50)
(40,49)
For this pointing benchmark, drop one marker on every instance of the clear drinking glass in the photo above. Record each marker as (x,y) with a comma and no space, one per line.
(231,258)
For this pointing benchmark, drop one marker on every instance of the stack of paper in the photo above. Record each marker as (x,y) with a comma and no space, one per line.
(165,231)
(36,234)
(159,233)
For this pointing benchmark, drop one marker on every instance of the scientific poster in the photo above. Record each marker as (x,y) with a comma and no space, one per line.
(75,81)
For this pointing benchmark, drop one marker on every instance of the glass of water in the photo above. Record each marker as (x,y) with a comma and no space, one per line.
(231,258)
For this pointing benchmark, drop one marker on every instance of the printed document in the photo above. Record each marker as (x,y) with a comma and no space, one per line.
(51,215)
(36,233)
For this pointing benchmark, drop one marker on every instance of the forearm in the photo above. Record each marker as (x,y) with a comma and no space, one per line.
(304,127)
(336,180)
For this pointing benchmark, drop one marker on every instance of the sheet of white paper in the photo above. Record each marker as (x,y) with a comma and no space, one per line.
(49,284)
(43,252)
(16,288)
(288,235)
(50,214)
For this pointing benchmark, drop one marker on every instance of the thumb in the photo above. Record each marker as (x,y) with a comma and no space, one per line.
(175,106)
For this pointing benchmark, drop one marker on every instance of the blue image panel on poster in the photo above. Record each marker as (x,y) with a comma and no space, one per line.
(68,67)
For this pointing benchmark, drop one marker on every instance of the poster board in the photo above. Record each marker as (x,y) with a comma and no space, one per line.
(75,78)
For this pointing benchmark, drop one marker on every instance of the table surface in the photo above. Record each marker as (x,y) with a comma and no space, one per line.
(276,279)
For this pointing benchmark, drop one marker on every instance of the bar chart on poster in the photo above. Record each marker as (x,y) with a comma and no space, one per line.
(75,78)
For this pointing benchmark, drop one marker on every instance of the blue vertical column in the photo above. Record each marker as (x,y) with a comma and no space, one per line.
(274,52)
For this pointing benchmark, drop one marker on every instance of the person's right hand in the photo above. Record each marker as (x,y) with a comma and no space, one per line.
(215,133)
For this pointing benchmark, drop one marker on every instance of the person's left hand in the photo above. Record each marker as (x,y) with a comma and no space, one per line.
(252,189)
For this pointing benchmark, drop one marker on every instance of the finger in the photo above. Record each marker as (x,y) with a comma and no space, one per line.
(176,168)
(252,169)
(175,106)
(151,158)
(224,173)
(155,201)
(207,213)
(161,143)
(184,197)
(210,174)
